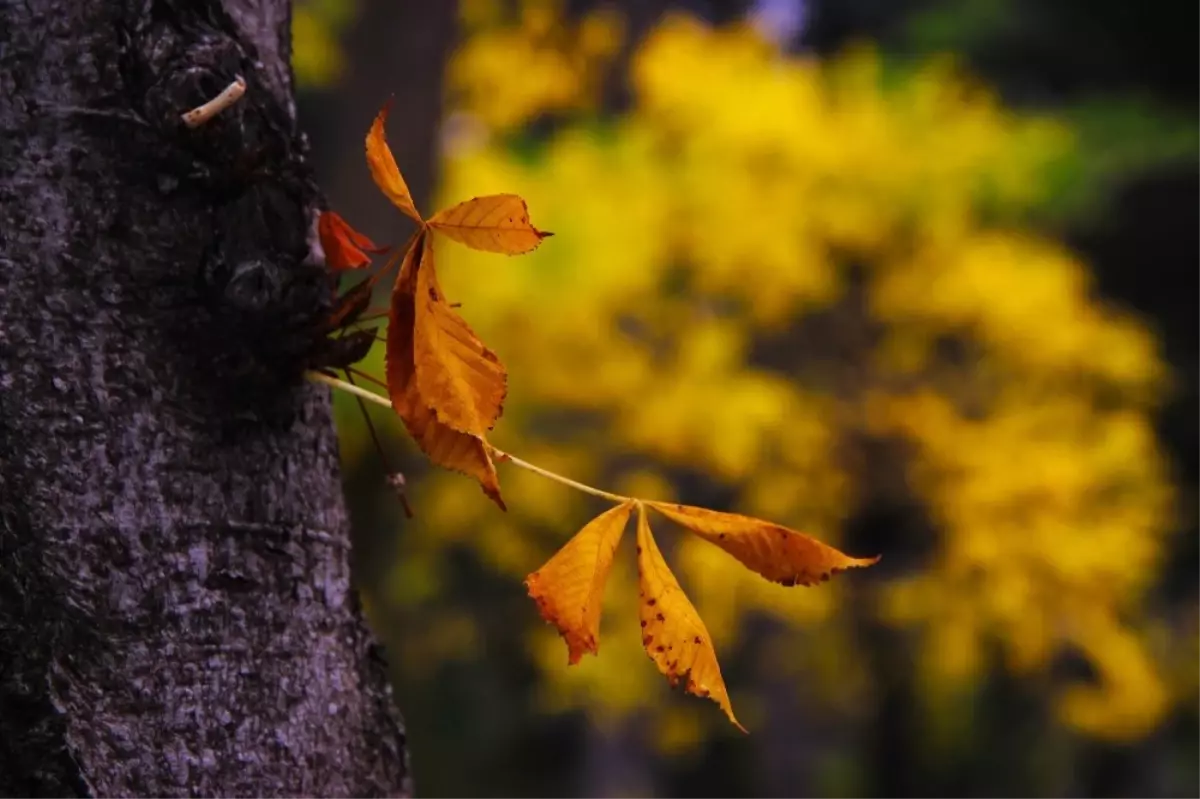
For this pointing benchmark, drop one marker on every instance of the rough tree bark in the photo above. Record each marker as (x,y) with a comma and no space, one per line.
(176,614)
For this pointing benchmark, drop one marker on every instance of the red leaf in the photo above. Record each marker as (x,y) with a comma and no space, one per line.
(344,246)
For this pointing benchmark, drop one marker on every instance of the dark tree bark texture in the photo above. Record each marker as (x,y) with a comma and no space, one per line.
(176,615)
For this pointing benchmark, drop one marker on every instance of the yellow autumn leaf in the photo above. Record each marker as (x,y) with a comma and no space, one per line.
(445,446)
(495,223)
(383,167)
(461,379)
(569,588)
(781,555)
(672,632)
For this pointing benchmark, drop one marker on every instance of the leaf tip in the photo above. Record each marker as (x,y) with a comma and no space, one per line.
(493,493)
(577,648)
(858,563)
(577,645)
(382,165)
(727,706)
(385,109)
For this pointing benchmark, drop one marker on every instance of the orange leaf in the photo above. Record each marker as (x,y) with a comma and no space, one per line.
(569,588)
(460,378)
(343,244)
(384,170)
(445,446)
(777,553)
(672,632)
(496,223)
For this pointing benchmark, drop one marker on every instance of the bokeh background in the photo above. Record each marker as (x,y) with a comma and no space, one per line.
(918,277)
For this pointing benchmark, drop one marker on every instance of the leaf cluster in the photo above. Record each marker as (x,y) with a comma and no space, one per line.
(448,388)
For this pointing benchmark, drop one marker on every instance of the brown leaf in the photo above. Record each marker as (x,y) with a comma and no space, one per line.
(445,446)
(350,305)
(672,632)
(496,223)
(383,167)
(569,588)
(460,378)
(343,245)
(777,553)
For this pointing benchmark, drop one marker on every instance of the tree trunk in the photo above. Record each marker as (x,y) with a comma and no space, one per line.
(176,615)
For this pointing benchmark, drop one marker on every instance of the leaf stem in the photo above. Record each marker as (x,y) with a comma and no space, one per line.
(358,391)
(499,454)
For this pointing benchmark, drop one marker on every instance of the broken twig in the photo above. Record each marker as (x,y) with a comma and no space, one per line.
(203,113)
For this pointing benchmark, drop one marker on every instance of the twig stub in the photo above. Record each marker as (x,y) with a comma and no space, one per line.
(228,96)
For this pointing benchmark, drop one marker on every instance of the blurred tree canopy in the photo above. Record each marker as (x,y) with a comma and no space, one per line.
(822,289)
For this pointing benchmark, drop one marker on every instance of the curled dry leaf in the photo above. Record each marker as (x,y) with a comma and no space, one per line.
(343,245)
(461,379)
(781,555)
(672,632)
(569,588)
(495,223)
(383,167)
(464,451)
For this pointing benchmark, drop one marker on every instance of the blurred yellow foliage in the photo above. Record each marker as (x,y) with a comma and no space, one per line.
(512,67)
(766,262)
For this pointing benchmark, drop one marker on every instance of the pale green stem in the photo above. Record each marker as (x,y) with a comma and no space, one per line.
(358,391)
(501,455)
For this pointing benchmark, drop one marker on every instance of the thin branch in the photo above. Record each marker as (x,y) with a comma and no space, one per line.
(500,455)
(358,391)
(374,316)
(396,484)
(228,96)
(360,373)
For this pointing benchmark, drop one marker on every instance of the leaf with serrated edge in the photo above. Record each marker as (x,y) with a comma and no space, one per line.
(569,588)
(495,223)
(672,632)
(445,446)
(781,555)
(457,376)
(383,167)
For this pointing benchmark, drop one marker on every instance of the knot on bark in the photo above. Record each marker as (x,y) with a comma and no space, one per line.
(183,62)
(248,163)
(267,297)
